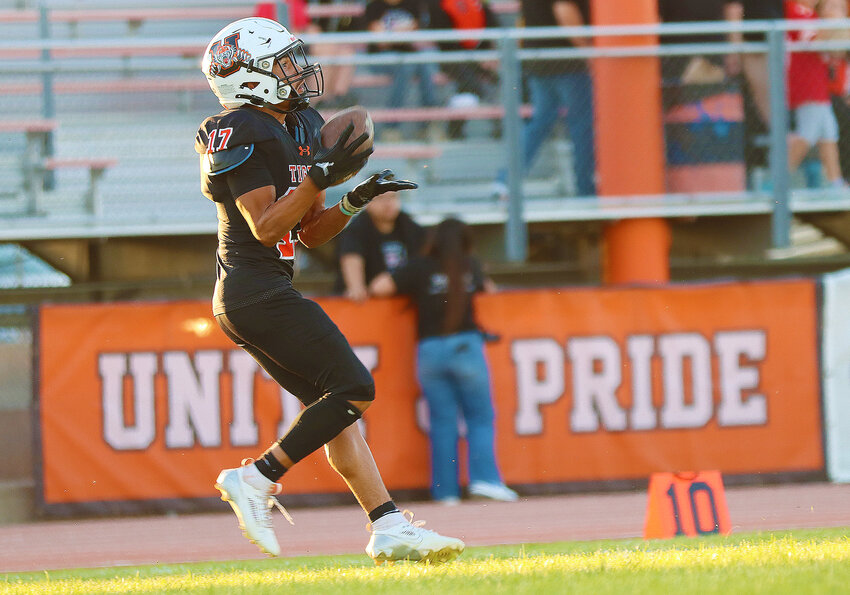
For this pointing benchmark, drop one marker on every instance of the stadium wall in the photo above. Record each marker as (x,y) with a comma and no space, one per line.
(836,373)
(140,404)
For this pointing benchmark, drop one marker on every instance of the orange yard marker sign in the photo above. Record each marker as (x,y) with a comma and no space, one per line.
(686,503)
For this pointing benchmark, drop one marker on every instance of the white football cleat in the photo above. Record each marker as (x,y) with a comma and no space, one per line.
(409,541)
(492,491)
(252,507)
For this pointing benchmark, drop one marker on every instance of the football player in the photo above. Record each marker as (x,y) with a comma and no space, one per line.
(264,167)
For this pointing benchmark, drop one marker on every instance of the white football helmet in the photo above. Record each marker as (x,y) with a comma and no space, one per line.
(239,66)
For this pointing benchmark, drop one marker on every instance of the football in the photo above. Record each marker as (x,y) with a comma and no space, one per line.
(336,125)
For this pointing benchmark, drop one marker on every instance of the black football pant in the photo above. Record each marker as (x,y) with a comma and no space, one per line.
(301,348)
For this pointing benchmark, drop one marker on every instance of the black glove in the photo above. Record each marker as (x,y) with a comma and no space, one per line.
(334,165)
(353,202)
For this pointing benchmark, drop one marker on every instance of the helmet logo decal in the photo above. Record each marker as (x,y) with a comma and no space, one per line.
(226,55)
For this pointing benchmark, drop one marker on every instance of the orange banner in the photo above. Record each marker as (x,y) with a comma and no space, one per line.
(148,401)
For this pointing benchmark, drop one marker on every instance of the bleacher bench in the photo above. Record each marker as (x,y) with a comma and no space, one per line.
(136,16)
(91,199)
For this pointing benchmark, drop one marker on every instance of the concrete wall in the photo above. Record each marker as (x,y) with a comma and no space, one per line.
(17,463)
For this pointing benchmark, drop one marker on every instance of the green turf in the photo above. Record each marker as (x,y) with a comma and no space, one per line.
(810,561)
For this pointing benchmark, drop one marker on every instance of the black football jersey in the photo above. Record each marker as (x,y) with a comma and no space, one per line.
(240,150)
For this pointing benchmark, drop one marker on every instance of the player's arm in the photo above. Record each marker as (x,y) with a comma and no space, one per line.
(272,219)
(320,224)
(269,220)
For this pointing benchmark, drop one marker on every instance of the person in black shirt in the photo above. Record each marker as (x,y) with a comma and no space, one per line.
(380,240)
(264,167)
(451,366)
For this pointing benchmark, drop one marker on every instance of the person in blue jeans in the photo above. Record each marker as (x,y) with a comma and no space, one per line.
(451,366)
(554,85)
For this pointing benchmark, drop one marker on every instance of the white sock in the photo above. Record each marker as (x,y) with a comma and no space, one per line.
(252,476)
(388,520)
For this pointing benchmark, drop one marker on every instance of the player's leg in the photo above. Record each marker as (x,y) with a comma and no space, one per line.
(350,456)
(297,335)
(293,333)
(248,491)
(293,329)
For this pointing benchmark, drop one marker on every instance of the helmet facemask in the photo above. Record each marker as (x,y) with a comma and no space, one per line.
(297,79)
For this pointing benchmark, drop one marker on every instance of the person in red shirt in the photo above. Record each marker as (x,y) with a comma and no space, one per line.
(809,98)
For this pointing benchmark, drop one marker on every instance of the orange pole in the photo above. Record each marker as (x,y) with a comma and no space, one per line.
(630,144)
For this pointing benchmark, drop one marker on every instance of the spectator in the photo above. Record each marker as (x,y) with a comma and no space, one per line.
(295,19)
(338,77)
(556,84)
(809,97)
(473,80)
(839,85)
(451,366)
(399,16)
(754,66)
(379,241)
(695,69)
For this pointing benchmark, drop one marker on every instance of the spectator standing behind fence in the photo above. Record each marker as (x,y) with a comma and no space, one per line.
(809,97)
(451,366)
(338,77)
(473,80)
(839,89)
(754,65)
(381,240)
(295,18)
(558,84)
(400,16)
(696,69)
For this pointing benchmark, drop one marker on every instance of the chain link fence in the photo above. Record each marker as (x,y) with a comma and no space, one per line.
(497,132)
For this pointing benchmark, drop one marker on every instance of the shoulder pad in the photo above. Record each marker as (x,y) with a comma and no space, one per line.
(232,128)
(220,162)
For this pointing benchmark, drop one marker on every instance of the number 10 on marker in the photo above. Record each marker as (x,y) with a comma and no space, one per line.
(688,503)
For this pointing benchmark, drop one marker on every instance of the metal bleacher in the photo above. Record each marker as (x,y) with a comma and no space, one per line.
(112,99)
(129,89)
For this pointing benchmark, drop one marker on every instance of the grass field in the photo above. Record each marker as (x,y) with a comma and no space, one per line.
(810,561)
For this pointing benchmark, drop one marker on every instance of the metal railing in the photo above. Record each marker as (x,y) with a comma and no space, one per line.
(124,57)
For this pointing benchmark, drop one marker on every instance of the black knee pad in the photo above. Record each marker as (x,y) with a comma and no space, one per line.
(316,425)
(361,392)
